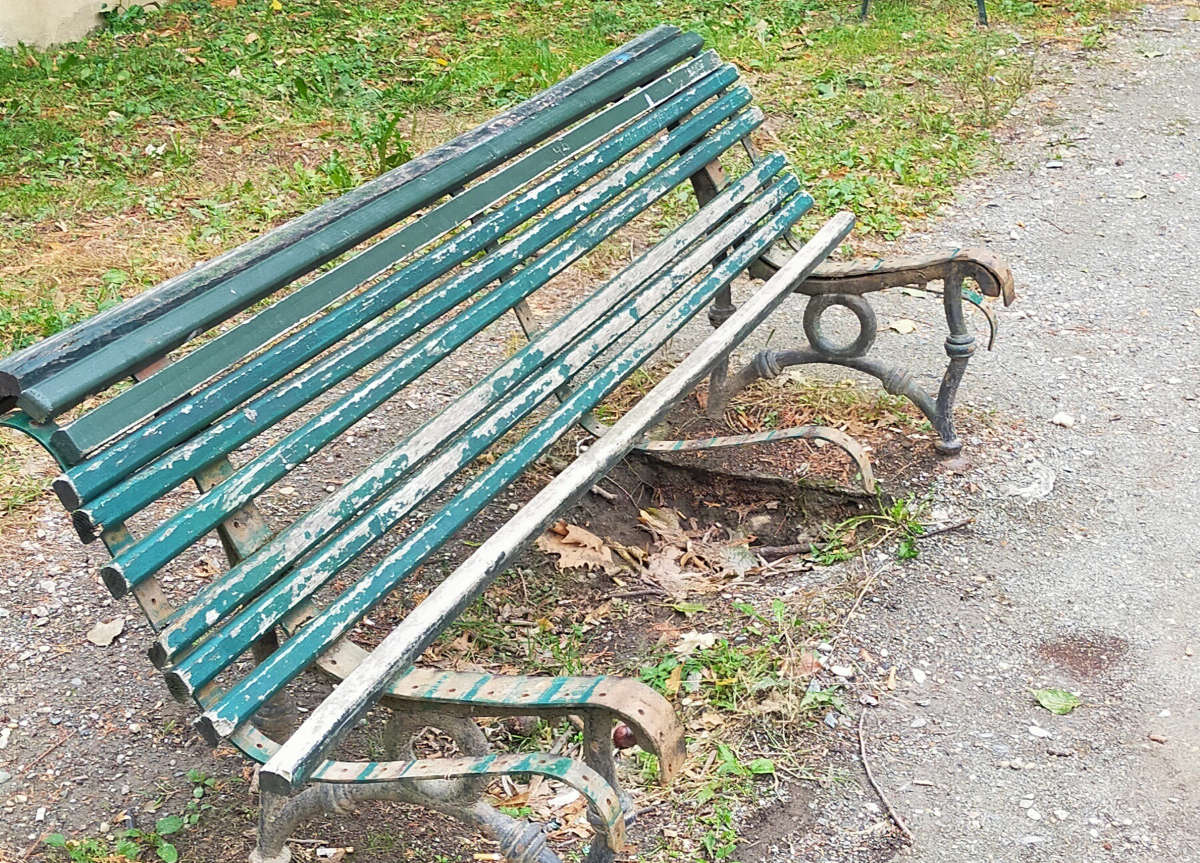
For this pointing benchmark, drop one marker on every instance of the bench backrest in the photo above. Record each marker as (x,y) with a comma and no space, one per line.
(450,242)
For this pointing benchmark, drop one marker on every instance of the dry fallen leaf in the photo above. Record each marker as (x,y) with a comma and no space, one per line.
(692,641)
(904,326)
(577,547)
(102,634)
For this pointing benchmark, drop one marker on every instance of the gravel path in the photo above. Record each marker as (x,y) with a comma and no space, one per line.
(1092,586)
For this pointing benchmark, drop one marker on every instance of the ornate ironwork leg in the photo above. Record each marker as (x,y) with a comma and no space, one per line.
(460,798)
(598,754)
(279,816)
(960,345)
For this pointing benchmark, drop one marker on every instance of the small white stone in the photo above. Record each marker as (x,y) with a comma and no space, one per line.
(1038,731)
(919,722)
(1034,815)
(1064,419)
(1062,814)
(918,675)
(844,671)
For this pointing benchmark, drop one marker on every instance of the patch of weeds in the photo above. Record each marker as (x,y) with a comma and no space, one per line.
(379,842)
(723,675)
(382,143)
(720,837)
(553,652)
(989,81)
(899,521)
(134,843)
(128,844)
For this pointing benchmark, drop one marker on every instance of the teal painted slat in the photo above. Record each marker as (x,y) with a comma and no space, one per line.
(298,652)
(228,591)
(165,541)
(223,643)
(175,425)
(207,361)
(328,231)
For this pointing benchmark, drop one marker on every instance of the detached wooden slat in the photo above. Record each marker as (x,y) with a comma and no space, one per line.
(60,372)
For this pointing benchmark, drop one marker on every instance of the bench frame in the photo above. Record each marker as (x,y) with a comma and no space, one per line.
(386,675)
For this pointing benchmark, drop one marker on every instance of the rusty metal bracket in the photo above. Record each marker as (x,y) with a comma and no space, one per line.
(846,284)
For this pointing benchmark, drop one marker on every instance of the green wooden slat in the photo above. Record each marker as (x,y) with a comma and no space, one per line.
(302,248)
(336,619)
(93,478)
(99,473)
(143,399)
(188,525)
(229,590)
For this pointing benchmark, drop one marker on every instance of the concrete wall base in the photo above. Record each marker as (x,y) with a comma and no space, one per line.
(49,22)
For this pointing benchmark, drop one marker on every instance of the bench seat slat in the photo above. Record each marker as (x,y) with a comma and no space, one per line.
(231,589)
(291,765)
(209,360)
(161,544)
(232,282)
(99,473)
(339,616)
(222,645)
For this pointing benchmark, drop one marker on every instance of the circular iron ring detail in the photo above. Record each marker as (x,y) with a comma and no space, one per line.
(403,727)
(866,325)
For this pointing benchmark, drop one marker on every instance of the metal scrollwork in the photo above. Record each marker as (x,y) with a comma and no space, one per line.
(867,325)
(398,737)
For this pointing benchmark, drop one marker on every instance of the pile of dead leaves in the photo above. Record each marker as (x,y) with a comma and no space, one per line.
(679,561)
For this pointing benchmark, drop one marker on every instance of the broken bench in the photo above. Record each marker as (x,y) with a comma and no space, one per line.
(249,365)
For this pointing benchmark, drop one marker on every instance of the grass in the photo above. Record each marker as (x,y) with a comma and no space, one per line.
(210,124)
(139,844)
(173,134)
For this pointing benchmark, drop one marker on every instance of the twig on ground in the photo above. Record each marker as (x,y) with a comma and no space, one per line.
(777,551)
(623,490)
(603,492)
(34,846)
(862,752)
(647,591)
(866,588)
(48,750)
(947,528)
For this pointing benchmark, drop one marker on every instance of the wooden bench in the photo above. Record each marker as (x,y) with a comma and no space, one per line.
(270,353)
